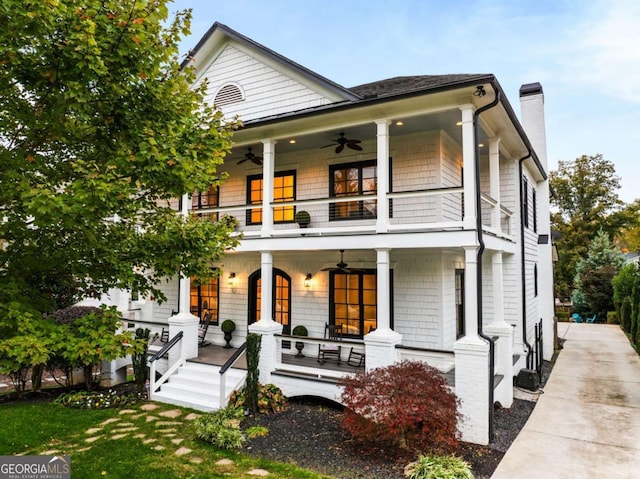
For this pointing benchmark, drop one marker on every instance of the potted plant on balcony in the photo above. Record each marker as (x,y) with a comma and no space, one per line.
(228,327)
(303,218)
(300,331)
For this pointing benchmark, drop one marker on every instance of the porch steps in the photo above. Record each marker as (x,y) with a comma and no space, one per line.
(197,386)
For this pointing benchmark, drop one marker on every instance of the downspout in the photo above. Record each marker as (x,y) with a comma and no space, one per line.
(481,247)
(523,266)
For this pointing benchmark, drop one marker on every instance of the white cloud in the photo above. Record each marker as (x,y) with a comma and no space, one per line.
(607,53)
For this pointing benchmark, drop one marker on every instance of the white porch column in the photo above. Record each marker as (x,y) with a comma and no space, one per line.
(498,327)
(469,161)
(472,362)
(268,168)
(269,350)
(471,292)
(266,295)
(380,345)
(494,180)
(384,289)
(184,321)
(266,326)
(382,222)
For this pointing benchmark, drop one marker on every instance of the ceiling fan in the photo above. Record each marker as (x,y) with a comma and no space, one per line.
(341,266)
(341,142)
(250,156)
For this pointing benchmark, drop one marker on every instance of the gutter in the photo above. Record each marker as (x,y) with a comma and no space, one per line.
(481,248)
(522,267)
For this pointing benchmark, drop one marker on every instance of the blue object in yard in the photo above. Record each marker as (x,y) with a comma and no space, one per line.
(576,318)
(591,319)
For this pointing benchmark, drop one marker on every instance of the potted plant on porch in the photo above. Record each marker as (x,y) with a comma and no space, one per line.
(300,331)
(303,218)
(228,327)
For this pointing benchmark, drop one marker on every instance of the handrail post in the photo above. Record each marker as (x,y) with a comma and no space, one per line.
(223,390)
(152,379)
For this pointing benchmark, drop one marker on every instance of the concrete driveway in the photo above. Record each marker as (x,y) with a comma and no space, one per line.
(587,422)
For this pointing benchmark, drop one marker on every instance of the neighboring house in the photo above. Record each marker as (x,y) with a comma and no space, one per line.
(435,191)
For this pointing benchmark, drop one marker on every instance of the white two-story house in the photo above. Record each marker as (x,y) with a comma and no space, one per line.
(428,234)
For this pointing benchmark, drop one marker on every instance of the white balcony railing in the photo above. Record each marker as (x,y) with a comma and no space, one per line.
(432,209)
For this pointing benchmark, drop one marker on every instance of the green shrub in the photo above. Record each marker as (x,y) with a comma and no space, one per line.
(228,326)
(439,467)
(98,400)
(563,316)
(257,431)
(612,317)
(25,342)
(221,428)
(139,358)
(300,330)
(625,313)
(86,341)
(251,389)
(270,399)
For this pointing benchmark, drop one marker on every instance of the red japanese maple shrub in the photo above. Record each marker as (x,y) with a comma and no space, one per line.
(408,404)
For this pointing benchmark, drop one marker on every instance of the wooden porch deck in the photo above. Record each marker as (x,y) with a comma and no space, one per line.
(217,355)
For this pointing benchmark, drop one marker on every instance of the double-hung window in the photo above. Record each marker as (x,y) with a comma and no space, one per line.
(353,179)
(284,190)
(525,202)
(204,200)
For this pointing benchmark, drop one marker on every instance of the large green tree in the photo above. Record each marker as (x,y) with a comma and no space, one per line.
(100,128)
(585,197)
(594,291)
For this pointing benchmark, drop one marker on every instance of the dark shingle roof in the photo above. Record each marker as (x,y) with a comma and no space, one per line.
(406,84)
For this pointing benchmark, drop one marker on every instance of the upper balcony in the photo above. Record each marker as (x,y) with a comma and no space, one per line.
(396,179)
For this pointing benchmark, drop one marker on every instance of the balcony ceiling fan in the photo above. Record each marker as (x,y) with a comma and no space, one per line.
(342,141)
(250,156)
(341,266)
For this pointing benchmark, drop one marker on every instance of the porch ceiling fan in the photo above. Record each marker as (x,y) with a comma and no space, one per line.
(342,141)
(250,156)
(341,265)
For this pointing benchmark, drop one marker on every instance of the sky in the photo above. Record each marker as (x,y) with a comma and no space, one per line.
(585,53)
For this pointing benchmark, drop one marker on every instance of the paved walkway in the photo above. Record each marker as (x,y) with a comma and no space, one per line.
(587,423)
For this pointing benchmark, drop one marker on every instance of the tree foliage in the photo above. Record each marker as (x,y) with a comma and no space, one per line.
(25,341)
(586,201)
(407,404)
(623,283)
(593,283)
(99,129)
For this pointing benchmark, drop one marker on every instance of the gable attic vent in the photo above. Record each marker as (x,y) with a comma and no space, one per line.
(229,94)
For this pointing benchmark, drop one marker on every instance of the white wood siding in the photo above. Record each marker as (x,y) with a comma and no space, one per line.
(267,91)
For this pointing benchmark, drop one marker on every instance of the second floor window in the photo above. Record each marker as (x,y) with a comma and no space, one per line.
(525,202)
(284,189)
(204,200)
(353,179)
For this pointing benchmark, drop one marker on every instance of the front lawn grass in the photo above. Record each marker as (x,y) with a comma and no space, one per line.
(133,445)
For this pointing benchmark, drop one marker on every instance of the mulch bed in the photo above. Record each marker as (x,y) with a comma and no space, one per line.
(309,434)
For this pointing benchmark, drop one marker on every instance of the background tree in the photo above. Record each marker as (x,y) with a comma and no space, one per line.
(628,239)
(586,201)
(593,283)
(99,129)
